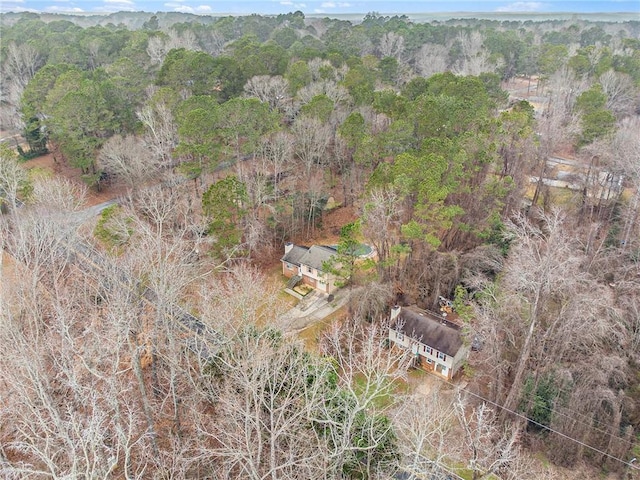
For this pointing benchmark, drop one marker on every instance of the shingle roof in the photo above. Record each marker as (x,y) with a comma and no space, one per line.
(317,255)
(429,329)
(295,254)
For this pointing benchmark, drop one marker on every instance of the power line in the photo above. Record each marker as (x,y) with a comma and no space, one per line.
(616,437)
(524,417)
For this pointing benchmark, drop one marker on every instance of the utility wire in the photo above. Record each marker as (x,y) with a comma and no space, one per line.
(616,437)
(524,417)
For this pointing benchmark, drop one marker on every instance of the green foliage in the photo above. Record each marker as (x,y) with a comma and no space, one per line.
(79,117)
(429,179)
(596,124)
(33,100)
(320,107)
(113,227)
(390,103)
(388,68)
(352,129)
(416,87)
(461,303)
(551,58)
(224,205)
(36,138)
(539,398)
(187,70)
(597,121)
(345,262)
(374,438)
(360,83)
(298,75)
(592,99)
(496,235)
(198,121)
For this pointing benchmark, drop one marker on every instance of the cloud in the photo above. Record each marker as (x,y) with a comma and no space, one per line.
(334,5)
(117,6)
(298,6)
(61,9)
(186,9)
(14,6)
(522,7)
(9,4)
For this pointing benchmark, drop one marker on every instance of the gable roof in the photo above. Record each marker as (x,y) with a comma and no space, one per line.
(316,256)
(295,254)
(428,329)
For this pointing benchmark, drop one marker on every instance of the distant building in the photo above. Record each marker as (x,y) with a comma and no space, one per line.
(436,342)
(305,264)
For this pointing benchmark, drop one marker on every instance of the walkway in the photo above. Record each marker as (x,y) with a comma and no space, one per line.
(311,309)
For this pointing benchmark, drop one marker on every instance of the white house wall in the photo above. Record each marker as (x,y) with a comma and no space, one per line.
(452,363)
(323,281)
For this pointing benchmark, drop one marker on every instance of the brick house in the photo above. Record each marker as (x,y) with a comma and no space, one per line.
(304,264)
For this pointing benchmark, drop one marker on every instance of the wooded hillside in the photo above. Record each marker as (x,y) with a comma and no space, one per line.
(496,164)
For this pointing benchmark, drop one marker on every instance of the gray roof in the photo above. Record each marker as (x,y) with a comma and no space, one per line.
(429,329)
(295,254)
(317,255)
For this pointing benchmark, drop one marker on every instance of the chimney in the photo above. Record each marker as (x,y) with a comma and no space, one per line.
(288,247)
(395,311)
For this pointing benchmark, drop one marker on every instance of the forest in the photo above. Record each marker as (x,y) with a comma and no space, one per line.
(153,166)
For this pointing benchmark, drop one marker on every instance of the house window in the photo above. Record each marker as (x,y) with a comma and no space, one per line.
(442,356)
(429,361)
(289,266)
(400,336)
(427,350)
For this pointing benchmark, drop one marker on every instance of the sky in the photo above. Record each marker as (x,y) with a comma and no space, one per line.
(270,7)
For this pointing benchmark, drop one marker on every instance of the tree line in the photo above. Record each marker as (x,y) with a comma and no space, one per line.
(234,135)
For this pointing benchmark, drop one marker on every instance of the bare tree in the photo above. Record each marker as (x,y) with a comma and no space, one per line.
(159,45)
(161,131)
(337,93)
(542,265)
(13,178)
(312,139)
(381,223)
(276,153)
(391,45)
(128,159)
(21,62)
(627,147)
(266,400)
(240,297)
(425,427)
(474,58)
(622,96)
(58,194)
(69,391)
(488,448)
(268,89)
(431,59)
(367,372)
(213,43)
